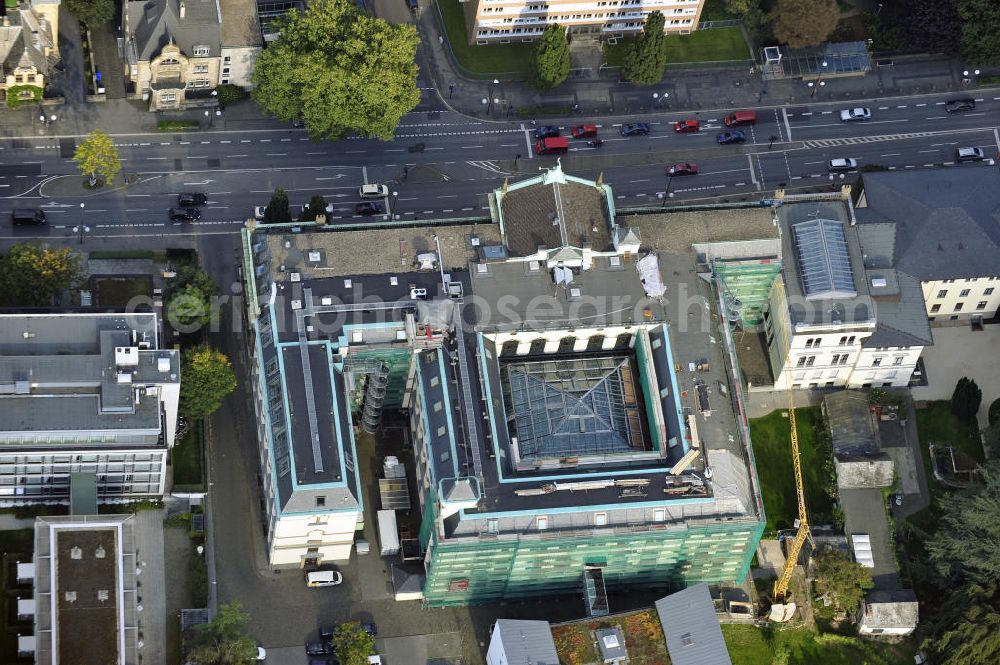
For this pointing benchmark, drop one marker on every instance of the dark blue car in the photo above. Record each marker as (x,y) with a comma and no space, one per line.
(546,132)
(634,129)
(734,136)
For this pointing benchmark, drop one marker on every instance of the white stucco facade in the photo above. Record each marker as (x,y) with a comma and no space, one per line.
(960,299)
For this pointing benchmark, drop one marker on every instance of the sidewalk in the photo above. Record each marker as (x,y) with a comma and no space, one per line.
(693,89)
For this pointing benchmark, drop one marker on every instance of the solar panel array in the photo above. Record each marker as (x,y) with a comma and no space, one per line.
(824,262)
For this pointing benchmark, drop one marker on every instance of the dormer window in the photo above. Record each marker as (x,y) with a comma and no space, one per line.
(201,51)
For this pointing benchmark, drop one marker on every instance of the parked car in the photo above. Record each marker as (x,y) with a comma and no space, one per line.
(258,212)
(969,155)
(319,649)
(324,576)
(732,136)
(738,118)
(368,208)
(683,168)
(584,131)
(686,126)
(192,199)
(373,191)
(546,132)
(959,105)
(859,113)
(185,214)
(635,128)
(843,164)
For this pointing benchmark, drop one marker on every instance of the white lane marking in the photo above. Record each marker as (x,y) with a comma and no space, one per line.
(996,137)
(136,209)
(901,107)
(237,156)
(156,158)
(891,154)
(938,145)
(315,153)
(471,147)
(923,151)
(870,122)
(285,140)
(938,117)
(138,195)
(276,154)
(753,174)
(225,141)
(883,108)
(265,140)
(921,104)
(448,196)
(644,180)
(812,163)
(527,141)
(185,143)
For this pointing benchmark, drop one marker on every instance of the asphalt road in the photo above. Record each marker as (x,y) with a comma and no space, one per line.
(460,160)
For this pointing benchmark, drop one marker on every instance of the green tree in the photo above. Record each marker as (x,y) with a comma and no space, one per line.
(552,57)
(95,13)
(966,398)
(843,580)
(207,377)
(980,31)
(189,300)
(965,544)
(277,211)
(224,640)
(340,70)
(352,644)
(227,93)
(647,54)
(739,6)
(317,206)
(966,628)
(97,156)
(801,23)
(32,275)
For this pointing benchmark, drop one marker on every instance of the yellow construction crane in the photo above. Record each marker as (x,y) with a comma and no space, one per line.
(782,608)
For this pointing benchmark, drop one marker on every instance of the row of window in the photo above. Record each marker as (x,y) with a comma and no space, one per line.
(980,306)
(814,342)
(21,78)
(964,293)
(66,459)
(841,359)
(970,279)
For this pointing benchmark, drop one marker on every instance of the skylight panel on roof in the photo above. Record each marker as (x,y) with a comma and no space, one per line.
(824,262)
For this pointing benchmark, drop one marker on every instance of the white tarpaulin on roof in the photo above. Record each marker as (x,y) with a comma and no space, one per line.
(649,274)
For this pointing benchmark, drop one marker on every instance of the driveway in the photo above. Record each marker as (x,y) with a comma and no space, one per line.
(959,351)
(864,512)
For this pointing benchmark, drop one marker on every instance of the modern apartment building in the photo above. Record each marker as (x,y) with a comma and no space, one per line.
(85,393)
(556,450)
(840,314)
(503,21)
(944,232)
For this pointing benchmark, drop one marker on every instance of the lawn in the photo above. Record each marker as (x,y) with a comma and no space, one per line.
(699,46)
(119,291)
(186,458)
(773,450)
(483,61)
(14,546)
(936,424)
(749,645)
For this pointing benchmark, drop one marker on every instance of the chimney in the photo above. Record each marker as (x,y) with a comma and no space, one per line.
(183,9)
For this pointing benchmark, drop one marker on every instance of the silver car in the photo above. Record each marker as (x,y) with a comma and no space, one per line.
(843,164)
(859,113)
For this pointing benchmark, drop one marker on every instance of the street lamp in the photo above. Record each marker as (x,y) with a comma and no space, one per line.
(392,206)
(491,101)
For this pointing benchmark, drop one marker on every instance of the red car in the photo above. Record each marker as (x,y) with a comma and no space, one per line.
(683,168)
(686,126)
(584,131)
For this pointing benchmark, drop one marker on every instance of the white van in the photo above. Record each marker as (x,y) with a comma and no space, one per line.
(373,191)
(320,578)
